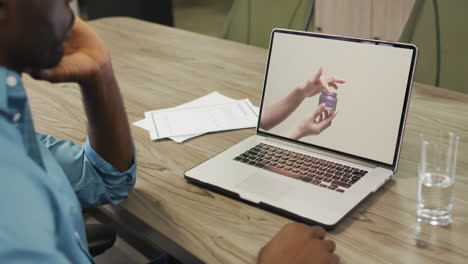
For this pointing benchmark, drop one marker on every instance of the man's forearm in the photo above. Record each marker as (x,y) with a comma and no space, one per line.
(108,128)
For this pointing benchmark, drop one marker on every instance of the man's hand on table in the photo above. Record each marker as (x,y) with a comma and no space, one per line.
(298,243)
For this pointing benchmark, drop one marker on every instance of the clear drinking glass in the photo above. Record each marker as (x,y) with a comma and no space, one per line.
(437,168)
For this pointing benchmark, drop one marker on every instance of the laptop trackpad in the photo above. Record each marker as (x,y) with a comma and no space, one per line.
(262,187)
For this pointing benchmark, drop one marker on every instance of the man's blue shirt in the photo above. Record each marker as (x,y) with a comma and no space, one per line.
(44,185)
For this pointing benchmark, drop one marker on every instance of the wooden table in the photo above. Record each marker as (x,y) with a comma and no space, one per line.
(160,67)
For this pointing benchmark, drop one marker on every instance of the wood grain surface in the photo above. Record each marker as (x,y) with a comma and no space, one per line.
(160,67)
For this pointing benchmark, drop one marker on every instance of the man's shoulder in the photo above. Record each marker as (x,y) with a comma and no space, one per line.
(22,178)
(9,134)
(28,207)
(13,156)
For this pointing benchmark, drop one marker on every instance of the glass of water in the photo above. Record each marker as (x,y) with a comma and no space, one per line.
(437,168)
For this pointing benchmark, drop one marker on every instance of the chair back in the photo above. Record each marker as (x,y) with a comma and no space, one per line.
(440,30)
(251,21)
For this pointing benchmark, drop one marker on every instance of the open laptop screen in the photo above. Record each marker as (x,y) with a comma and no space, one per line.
(367,86)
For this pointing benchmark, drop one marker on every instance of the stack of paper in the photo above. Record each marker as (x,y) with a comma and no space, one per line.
(211,113)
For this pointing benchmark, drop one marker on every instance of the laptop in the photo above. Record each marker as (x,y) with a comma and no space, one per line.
(330,128)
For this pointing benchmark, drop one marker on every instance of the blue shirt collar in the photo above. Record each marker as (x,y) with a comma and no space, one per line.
(10,86)
(14,106)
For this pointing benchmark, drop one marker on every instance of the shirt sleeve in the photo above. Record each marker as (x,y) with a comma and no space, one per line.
(94,180)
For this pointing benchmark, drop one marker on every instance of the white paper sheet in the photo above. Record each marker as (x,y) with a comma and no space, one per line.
(201,119)
(210,99)
(144,123)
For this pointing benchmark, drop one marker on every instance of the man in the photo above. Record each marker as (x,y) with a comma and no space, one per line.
(45,182)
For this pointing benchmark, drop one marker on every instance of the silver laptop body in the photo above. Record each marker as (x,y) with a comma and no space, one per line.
(319,179)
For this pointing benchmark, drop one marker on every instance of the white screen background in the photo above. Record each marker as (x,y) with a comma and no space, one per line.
(369,105)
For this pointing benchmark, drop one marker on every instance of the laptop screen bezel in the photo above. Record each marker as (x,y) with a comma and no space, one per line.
(356,40)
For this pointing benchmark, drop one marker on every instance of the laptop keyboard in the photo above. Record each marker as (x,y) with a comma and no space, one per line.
(326,174)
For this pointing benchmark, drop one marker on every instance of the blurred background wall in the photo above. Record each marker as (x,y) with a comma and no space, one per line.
(438,27)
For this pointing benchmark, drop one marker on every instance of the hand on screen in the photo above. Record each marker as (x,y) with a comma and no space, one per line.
(320,83)
(298,243)
(277,112)
(320,120)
